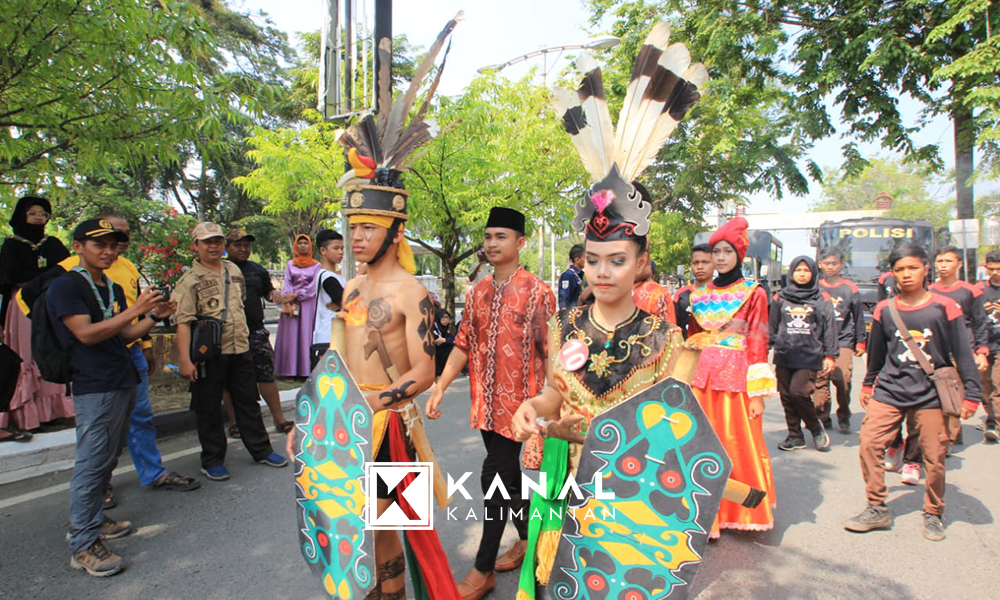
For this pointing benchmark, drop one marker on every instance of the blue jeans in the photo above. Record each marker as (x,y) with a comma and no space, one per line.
(101,427)
(142,434)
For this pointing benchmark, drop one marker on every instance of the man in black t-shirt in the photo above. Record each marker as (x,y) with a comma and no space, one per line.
(98,327)
(991,378)
(896,387)
(239,246)
(846,300)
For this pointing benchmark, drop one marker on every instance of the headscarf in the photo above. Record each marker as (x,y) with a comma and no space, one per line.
(304,260)
(806,293)
(19,219)
(404,254)
(735,233)
(729,277)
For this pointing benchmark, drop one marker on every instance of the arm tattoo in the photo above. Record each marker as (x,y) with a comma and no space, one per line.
(396,394)
(379,313)
(425,328)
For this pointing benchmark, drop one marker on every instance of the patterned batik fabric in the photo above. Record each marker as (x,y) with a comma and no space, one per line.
(731,325)
(504,332)
(654,299)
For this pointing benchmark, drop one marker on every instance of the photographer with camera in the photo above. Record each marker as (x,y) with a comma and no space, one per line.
(92,322)
(214,351)
(141,439)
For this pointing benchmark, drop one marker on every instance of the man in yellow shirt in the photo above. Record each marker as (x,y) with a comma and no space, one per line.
(141,434)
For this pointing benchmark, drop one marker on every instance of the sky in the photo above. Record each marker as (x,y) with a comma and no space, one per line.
(495,32)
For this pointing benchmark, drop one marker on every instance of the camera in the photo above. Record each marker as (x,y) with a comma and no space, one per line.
(164,291)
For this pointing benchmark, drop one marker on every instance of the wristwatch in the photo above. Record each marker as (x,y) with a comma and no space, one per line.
(157,319)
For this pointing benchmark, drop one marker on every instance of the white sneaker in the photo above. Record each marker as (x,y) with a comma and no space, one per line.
(893,458)
(910,474)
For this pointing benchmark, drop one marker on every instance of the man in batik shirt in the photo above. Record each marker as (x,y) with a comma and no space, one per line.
(503,336)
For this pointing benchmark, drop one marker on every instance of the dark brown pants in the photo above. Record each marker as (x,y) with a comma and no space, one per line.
(841,379)
(796,387)
(879,427)
(991,391)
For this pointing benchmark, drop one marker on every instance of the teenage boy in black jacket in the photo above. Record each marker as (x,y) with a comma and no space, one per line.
(852,336)
(991,377)
(896,387)
(804,338)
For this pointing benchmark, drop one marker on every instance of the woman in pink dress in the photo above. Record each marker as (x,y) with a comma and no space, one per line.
(298,311)
(25,255)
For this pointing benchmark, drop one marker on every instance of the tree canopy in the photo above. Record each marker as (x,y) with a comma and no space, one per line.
(863,54)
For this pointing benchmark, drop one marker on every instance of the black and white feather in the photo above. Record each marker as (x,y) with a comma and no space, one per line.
(663,87)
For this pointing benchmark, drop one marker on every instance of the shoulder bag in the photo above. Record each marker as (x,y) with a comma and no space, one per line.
(947,380)
(206,332)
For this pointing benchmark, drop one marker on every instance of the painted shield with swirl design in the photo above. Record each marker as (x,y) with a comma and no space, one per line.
(333,431)
(657,453)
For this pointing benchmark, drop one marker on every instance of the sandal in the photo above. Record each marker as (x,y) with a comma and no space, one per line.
(284,426)
(175,482)
(110,500)
(234,432)
(15,435)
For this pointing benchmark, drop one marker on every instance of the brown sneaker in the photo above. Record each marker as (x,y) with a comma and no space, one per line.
(97,560)
(476,584)
(513,558)
(112,530)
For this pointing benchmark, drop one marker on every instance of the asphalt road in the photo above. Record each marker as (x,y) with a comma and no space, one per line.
(237,539)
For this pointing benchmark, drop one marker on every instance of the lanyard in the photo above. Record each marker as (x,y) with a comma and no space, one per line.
(107,310)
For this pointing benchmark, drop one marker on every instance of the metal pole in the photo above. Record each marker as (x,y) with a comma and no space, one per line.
(383,29)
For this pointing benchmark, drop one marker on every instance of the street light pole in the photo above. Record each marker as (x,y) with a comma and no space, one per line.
(597,43)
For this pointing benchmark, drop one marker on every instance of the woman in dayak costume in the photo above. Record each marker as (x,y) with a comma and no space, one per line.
(730,325)
(609,350)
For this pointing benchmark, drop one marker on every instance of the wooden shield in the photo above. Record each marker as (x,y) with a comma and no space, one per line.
(333,435)
(658,454)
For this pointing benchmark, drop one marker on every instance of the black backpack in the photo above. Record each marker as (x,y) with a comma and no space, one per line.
(55,361)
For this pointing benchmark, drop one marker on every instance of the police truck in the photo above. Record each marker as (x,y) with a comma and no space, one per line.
(866,244)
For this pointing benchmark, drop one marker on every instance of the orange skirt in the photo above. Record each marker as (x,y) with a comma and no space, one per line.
(743,440)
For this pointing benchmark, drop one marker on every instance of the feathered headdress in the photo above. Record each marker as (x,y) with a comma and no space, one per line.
(664,86)
(379,151)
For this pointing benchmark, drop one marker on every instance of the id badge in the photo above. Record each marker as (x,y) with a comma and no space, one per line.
(43,262)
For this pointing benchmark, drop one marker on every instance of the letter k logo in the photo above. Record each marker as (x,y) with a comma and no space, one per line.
(411,505)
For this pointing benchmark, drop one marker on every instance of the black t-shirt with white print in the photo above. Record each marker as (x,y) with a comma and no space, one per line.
(846,300)
(938,328)
(991,295)
(969,298)
(802,335)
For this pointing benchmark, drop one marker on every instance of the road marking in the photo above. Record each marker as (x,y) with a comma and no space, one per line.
(62,487)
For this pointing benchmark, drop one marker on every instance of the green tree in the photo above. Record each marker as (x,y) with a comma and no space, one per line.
(91,86)
(505,148)
(743,136)
(864,54)
(909,185)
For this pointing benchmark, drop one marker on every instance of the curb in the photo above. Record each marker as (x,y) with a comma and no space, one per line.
(54,452)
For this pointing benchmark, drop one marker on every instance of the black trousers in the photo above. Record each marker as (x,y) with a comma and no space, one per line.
(235,373)
(796,387)
(503,457)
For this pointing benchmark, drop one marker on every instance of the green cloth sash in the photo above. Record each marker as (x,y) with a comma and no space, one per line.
(555,464)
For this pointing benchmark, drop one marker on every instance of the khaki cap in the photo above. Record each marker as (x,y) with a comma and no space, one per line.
(236,234)
(206,230)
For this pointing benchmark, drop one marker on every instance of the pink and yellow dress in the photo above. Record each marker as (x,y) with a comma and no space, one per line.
(731,326)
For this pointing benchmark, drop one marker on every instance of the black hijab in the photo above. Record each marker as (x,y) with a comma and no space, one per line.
(19,220)
(730,277)
(802,294)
